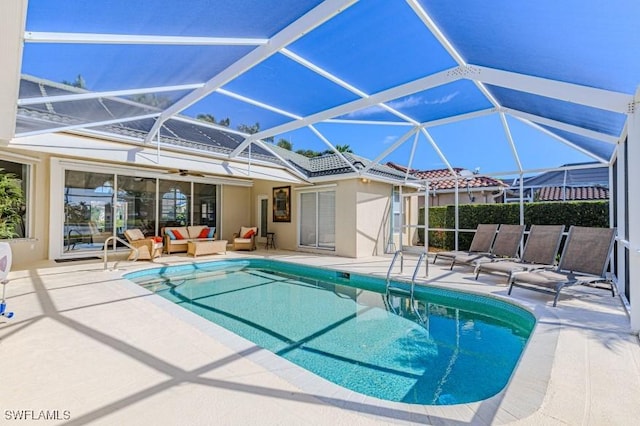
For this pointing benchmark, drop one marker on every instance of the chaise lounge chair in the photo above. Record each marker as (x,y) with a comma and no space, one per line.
(481,243)
(584,260)
(505,245)
(539,252)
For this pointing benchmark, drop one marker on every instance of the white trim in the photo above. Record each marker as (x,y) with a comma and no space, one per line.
(568,92)
(94,38)
(315,188)
(141,171)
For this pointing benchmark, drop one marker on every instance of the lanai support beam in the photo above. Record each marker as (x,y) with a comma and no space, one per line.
(13,15)
(633,209)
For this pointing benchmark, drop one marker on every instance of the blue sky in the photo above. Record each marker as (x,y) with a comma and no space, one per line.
(372,46)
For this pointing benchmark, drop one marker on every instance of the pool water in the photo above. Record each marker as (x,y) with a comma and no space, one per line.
(448,348)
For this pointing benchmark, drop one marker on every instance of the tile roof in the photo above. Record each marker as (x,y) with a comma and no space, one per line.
(476,181)
(332,164)
(576,193)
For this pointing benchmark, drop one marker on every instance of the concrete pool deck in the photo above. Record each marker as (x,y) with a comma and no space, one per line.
(87,346)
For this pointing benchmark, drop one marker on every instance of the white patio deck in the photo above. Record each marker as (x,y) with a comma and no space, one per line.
(108,352)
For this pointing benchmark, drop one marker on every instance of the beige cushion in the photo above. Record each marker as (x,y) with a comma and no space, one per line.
(243,240)
(244,230)
(134,234)
(179,242)
(194,231)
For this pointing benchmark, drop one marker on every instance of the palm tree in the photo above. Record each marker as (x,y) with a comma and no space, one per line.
(344,148)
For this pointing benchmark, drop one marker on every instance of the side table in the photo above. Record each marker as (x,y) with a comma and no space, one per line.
(271,240)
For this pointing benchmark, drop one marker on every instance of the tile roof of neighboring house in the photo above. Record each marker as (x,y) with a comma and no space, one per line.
(576,193)
(474,181)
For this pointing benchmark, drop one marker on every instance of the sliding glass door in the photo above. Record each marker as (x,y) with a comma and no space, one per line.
(100,205)
(317,219)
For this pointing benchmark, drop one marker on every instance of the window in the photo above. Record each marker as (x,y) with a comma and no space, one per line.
(175,203)
(395,218)
(318,219)
(15,203)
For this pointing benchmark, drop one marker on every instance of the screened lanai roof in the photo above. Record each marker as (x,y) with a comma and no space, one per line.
(314,71)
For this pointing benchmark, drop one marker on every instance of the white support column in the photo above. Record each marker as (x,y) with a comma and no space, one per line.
(12,23)
(621,209)
(633,210)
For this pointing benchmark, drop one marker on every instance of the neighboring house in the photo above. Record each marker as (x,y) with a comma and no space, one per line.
(109,177)
(564,185)
(472,188)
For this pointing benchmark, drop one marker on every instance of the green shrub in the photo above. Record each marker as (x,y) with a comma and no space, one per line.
(580,213)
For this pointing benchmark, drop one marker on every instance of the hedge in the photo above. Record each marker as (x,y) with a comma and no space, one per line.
(581,213)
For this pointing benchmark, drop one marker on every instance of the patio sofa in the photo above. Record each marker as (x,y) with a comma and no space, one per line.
(176,239)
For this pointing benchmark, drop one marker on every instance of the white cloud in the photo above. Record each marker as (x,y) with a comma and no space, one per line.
(442,100)
(366,112)
(389,139)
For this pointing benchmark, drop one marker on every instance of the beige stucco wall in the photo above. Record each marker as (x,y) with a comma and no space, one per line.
(235,210)
(373,217)
(285,232)
(26,251)
(449,199)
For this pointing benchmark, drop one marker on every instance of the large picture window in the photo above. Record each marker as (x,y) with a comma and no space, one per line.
(15,203)
(318,219)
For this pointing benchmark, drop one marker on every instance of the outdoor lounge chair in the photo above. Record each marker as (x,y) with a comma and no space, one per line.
(481,243)
(148,247)
(540,251)
(505,245)
(245,239)
(584,260)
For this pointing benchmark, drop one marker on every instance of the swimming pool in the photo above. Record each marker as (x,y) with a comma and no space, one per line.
(448,348)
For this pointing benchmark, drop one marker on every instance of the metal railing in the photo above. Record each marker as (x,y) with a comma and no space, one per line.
(118,239)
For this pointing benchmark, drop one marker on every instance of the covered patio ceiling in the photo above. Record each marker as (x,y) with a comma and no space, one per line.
(565,68)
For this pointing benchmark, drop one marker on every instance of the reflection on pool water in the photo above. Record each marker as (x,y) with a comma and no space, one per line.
(447,348)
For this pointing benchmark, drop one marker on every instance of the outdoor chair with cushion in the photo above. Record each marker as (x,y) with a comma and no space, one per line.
(540,251)
(481,243)
(584,260)
(148,247)
(505,245)
(245,239)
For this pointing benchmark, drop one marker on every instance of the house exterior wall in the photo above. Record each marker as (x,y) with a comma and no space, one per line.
(361,223)
(285,232)
(235,210)
(449,199)
(373,207)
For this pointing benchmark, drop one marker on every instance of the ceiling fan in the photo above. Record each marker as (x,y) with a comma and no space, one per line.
(184,172)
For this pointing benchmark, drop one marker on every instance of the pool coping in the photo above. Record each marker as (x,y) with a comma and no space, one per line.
(522,396)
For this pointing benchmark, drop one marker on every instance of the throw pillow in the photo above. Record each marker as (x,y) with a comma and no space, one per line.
(157,239)
(204,233)
(177,234)
(170,233)
(212,232)
(249,234)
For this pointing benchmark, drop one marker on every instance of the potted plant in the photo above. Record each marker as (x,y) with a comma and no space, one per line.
(11,205)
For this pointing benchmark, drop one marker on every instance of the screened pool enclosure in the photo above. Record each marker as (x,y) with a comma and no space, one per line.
(424,83)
